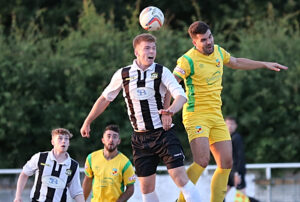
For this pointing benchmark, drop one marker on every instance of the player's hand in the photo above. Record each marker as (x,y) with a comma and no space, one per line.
(85,130)
(165,112)
(275,66)
(166,121)
(18,199)
(237,179)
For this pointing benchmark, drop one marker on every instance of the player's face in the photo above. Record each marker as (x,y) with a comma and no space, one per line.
(60,143)
(204,43)
(145,53)
(111,140)
(231,125)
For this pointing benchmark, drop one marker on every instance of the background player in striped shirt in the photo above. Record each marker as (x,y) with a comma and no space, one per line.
(108,171)
(55,172)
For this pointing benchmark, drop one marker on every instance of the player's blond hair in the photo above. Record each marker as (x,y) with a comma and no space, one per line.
(61,131)
(143,37)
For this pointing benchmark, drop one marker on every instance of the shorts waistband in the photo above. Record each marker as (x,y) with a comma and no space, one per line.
(146,132)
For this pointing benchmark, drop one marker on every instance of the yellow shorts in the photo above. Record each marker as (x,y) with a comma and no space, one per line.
(207,125)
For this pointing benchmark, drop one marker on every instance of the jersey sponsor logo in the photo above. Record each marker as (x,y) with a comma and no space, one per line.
(86,166)
(214,78)
(53,182)
(132,178)
(218,63)
(69,172)
(131,78)
(142,93)
(179,70)
(114,172)
(45,164)
(154,75)
(199,129)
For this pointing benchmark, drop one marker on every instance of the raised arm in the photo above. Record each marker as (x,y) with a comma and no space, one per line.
(99,107)
(20,186)
(248,64)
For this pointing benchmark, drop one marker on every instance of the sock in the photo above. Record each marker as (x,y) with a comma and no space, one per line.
(190,192)
(219,184)
(193,172)
(150,197)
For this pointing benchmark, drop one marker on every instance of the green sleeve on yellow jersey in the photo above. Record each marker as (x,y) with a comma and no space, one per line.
(128,174)
(182,70)
(226,55)
(88,166)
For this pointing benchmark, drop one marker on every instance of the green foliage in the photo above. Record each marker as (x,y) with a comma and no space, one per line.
(51,74)
(266,102)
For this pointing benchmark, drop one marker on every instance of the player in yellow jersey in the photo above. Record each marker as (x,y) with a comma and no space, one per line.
(201,68)
(108,172)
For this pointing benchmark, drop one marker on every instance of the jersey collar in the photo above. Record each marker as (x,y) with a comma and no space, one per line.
(65,162)
(136,67)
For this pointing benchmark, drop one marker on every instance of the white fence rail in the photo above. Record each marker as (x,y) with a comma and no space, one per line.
(267,167)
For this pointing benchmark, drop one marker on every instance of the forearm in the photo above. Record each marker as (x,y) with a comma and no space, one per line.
(20,185)
(87,187)
(247,64)
(177,104)
(167,101)
(127,194)
(98,108)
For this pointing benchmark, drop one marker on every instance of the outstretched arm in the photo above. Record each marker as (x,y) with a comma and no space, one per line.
(248,64)
(127,194)
(99,107)
(20,186)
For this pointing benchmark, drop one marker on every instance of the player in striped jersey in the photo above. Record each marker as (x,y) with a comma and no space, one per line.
(145,85)
(108,171)
(55,172)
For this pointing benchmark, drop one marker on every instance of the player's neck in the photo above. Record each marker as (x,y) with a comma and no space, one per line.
(110,155)
(60,156)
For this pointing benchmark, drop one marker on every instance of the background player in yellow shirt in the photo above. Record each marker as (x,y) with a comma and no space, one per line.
(108,171)
(201,68)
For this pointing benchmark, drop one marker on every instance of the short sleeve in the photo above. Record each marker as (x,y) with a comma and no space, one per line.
(75,185)
(182,69)
(128,174)
(114,87)
(32,165)
(88,167)
(226,55)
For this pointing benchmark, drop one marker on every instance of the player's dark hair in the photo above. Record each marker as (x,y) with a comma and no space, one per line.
(197,27)
(112,127)
(143,37)
(231,118)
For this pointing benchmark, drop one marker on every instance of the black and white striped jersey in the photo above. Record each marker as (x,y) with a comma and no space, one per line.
(144,93)
(52,179)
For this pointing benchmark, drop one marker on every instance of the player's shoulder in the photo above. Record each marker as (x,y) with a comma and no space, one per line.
(188,53)
(124,158)
(74,162)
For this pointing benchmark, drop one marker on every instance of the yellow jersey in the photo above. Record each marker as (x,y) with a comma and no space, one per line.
(202,75)
(109,176)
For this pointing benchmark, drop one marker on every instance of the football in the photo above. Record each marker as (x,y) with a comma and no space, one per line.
(151,18)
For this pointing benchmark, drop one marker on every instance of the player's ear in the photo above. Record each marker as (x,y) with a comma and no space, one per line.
(136,53)
(194,42)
